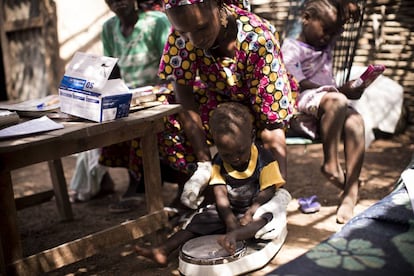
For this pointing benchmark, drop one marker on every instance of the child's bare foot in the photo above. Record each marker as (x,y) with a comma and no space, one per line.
(345,210)
(338,178)
(228,242)
(156,254)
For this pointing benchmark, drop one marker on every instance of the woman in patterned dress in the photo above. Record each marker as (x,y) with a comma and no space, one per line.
(218,52)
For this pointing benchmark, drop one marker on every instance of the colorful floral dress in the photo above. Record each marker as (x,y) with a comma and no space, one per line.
(255,76)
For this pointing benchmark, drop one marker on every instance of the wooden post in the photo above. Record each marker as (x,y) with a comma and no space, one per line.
(152,176)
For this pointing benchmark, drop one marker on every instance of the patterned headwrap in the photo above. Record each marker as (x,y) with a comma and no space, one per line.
(243,4)
(175,3)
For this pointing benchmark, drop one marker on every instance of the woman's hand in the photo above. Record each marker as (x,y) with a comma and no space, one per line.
(191,195)
(277,206)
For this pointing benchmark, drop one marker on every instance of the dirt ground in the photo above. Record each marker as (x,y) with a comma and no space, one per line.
(41,228)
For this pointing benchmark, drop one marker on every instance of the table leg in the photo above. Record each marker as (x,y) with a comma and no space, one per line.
(61,191)
(2,261)
(11,246)
(152,173)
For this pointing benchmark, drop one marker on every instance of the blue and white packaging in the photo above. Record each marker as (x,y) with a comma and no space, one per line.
(87,92)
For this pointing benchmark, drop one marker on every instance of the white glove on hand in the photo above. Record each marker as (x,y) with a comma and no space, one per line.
(277,206)
(190,196)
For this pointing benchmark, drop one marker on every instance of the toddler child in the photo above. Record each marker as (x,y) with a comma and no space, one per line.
(245,176)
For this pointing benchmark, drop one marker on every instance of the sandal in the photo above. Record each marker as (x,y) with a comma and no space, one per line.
(125,205)
(308,205)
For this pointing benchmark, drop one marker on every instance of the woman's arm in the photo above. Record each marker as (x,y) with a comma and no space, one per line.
(191,121)
(275,141)
(107,38)
(307,84)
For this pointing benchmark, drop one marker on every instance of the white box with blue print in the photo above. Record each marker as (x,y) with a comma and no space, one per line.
(89,89)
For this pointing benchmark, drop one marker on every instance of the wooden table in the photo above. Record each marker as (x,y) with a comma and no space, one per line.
(73,138)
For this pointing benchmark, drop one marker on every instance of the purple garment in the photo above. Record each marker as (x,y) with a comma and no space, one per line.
(305,62)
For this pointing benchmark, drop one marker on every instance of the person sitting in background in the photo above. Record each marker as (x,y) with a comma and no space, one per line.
(309,59)
(136,36)
(245,176)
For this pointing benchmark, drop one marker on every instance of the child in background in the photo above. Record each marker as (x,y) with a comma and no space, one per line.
(245,176)
(308,58)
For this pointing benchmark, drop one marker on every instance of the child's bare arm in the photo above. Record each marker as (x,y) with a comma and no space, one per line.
(352,93)
(223,207)
(307,84)
(229,240)
(263,197)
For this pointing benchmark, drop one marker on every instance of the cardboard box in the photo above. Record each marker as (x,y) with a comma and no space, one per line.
(87,91)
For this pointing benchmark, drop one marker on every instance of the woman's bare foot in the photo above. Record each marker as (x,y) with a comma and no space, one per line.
(336,178)
(345,210)
(155,254)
